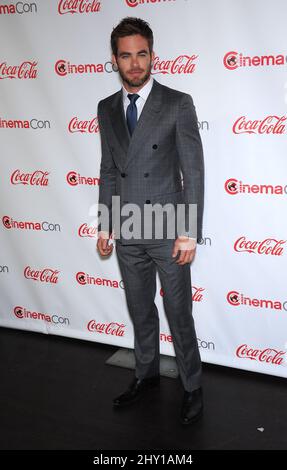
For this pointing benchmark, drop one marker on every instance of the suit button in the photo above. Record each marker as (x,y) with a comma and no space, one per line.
(123,175)
(154,146)
(146,175)
(147,201)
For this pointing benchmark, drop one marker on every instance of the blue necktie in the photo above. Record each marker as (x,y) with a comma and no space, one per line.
(132,112)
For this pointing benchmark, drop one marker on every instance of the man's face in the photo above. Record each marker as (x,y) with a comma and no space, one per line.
(134,61)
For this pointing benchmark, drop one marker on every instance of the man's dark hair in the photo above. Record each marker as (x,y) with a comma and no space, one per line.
(130,26)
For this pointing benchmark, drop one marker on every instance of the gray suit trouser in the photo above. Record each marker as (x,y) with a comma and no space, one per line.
(138,264)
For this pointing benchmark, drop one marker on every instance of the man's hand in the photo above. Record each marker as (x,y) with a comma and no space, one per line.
(103,244)
(187,247)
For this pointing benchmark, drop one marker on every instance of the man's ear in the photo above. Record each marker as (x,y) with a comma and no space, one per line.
(114,60)
(152,56)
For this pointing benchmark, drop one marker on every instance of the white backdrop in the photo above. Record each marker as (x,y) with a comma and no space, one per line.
(230,55)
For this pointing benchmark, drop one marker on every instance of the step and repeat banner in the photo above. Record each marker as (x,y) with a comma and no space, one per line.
(55,66)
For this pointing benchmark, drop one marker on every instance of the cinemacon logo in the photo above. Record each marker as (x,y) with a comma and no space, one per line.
(64,67)
(84,279)
(4,268)
(234,186)
(84,127)
(182,64)
(236,299)
(268,355)
(234,60)
(35,178)
(78,6)
(268,246)
(22,313)
(18,7)
(269,125)
(135,3)
(75,179)
(10,223)
(26,70)
(33,123)
(112,328)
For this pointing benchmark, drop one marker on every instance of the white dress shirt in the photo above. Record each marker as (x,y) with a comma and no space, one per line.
(143,96)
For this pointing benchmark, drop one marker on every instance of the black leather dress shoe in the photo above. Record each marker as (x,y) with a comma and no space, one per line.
(135,390)
(192,406)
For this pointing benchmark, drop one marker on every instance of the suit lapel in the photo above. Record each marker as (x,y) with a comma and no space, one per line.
(146,122)
(148,118)
(119,122)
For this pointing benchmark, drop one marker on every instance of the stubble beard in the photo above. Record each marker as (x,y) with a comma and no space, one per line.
(137,82)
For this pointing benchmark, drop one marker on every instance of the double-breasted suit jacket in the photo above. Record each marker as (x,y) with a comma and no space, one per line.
(161,163)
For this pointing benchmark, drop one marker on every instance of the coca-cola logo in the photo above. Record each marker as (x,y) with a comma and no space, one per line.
(64,67)
(74,179)
(268,355)
(25,70)
(46,275)
(33,123)
(135,3)
(268,246)
(197,293)
(183,64)
(112,328)
(86,230)
(236,298)
(269,125)
(23,313)
(233,60)
(78,6)
(85,127)
(233,186)
(37,178)
(18,8)
(46,226)
(85,279)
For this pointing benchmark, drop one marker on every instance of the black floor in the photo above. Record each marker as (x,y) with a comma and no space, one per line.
(56,393)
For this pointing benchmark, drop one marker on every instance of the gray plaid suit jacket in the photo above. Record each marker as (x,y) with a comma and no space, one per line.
(161,163)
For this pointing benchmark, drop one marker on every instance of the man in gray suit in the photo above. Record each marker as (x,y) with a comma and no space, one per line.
(152,155)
